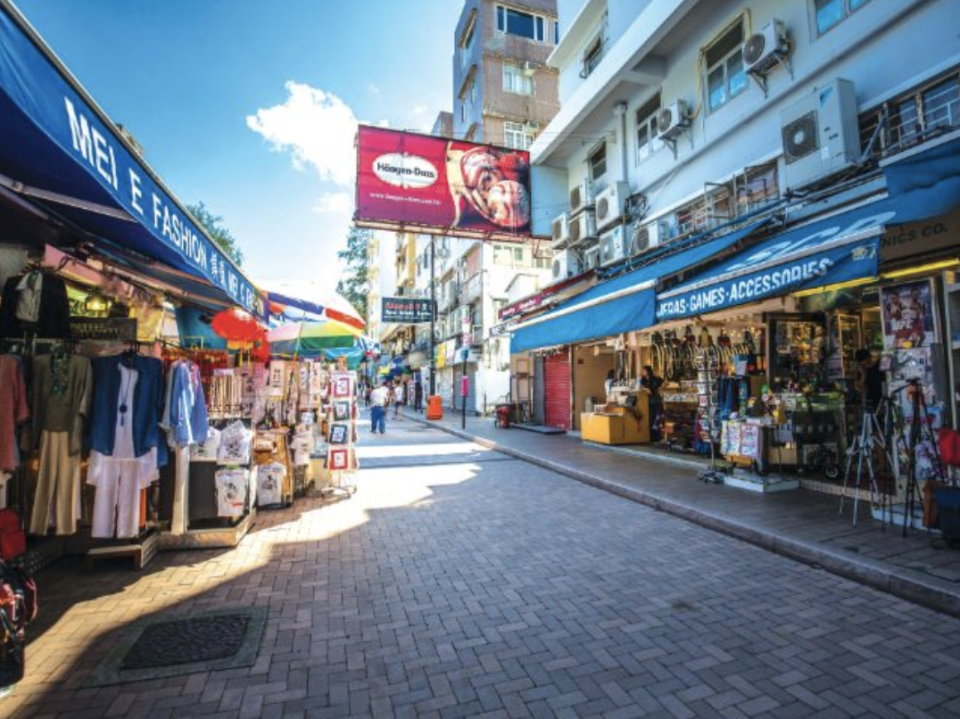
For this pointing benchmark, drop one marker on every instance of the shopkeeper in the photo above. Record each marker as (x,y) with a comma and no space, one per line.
(869,379)
(650,382)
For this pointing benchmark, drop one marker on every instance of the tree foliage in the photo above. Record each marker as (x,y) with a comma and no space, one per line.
(218,231)
(353,284)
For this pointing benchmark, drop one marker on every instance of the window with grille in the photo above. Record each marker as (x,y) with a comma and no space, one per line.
(647,141)
(592,56)
(913,116)
(725,76)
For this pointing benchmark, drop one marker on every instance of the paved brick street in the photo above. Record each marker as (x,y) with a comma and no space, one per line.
(462,582)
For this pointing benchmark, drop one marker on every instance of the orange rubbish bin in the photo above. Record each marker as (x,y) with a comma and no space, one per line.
(434,407)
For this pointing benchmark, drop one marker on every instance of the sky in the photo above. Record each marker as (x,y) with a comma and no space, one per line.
(251,105)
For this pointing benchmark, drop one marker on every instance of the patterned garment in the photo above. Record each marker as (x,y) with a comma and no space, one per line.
(232,487)
(235,441)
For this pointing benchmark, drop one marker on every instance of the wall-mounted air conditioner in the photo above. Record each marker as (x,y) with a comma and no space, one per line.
(612,204)
(566,263)
(582,229)
(765,49)
(560,234)
(820,134)
(591,258)
(614,245)
(581,197)
(672,120)
(644,237)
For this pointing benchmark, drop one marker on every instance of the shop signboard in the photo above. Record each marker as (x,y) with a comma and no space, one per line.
(921,239)
(435,185)
(406,310)
(87,164)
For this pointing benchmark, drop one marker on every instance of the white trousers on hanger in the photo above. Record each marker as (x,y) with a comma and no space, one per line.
(116,508)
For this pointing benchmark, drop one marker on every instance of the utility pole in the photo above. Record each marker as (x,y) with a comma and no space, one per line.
(433,315)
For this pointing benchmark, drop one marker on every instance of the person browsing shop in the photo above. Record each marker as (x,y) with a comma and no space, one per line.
(650,382)
(378,409)
(869,379)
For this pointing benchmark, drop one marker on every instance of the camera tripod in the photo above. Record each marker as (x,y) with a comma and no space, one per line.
(872,435)
(920,432)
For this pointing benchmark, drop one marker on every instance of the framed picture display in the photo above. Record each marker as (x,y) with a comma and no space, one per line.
(909,315)
(338,459)
(341,410)
(341,385)
(339,433)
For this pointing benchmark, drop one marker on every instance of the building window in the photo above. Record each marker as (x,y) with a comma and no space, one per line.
(518,254)
(517,136)
(501,255)
(597,161)
(521,24)
(830,13)
(473,92)
(466,44)
(912,116)
(592,56)
(463,111)
(515,80)
(724,62)
(647,141)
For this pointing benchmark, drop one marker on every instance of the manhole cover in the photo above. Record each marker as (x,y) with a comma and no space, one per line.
(185,641)
(168,645)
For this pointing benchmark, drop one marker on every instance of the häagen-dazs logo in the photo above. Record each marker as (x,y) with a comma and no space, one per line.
(405,171)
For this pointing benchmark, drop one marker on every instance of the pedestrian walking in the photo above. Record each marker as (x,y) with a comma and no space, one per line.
(418,396)
(378,409)
(398,395)
(367,390)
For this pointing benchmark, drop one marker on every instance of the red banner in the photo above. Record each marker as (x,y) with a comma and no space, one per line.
(432,184)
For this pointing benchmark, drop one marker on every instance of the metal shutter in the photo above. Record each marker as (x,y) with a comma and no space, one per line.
(556,370)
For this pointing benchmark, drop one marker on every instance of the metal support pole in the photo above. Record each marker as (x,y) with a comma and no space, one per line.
(464,390)
(433,315)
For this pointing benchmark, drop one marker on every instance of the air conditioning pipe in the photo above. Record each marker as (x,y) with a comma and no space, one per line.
(620,111)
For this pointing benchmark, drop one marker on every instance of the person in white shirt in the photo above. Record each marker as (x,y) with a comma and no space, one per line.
(397,400)
(378,409)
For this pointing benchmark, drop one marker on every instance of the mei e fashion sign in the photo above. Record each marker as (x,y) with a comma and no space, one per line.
(441,186)
(406,310)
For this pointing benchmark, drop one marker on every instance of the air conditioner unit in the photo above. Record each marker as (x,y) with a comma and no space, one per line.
(645,237)
(566,264)
(582,229)
(529,67)
(561,232)
(763,50)
(672,120)
(820,134)
(612,204)
(581,197)
(532,125)
(591,258)
(614,246)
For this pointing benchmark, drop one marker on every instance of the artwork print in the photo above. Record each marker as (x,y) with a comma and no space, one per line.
(338,459)
(341,385)
(909,315)
(339,433)
(341,411)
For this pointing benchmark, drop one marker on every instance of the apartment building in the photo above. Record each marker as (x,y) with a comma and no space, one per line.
(684,124)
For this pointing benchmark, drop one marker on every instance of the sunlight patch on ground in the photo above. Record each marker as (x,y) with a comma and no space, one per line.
(373,451)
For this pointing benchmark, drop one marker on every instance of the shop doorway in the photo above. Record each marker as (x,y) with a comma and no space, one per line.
(591,366)
(557,388)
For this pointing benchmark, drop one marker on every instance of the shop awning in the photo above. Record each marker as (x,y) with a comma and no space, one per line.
(58,149)
(841,248)
(623,304)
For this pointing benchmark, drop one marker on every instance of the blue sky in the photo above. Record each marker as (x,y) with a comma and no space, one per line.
(251,105)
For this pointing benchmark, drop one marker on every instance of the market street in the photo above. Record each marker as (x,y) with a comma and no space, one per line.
(461,582)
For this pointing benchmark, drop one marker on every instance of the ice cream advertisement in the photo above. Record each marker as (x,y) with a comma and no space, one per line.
(436,184)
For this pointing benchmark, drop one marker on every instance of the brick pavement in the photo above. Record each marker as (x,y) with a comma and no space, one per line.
(478,585)
(802,524)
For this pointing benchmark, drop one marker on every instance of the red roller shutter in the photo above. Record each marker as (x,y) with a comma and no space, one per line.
(556,375)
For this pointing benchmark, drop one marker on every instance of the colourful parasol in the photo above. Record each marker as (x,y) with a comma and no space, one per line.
(298,338)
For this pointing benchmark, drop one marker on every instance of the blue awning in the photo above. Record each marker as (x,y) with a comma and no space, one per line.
(836,249)
(623,304)
(59,149)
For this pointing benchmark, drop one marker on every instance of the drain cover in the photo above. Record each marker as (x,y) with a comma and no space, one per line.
(168,645)
(185,641)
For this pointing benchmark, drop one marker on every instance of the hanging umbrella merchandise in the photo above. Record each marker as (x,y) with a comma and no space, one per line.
(309,338)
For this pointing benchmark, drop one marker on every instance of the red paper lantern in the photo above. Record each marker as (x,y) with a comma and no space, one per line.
(237,325)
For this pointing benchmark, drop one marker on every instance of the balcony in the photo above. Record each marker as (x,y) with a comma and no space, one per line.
(472,289)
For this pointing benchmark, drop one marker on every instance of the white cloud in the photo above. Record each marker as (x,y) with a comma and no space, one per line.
(339,202)
(419,110)
(317,128)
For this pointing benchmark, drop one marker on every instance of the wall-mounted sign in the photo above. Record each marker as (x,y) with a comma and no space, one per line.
(441,186)
(406,310)
(112,329)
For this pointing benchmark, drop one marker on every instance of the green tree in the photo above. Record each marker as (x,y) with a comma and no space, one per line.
(353,285)
(214,226)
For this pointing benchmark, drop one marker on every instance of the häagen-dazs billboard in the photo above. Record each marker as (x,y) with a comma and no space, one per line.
(428,184)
